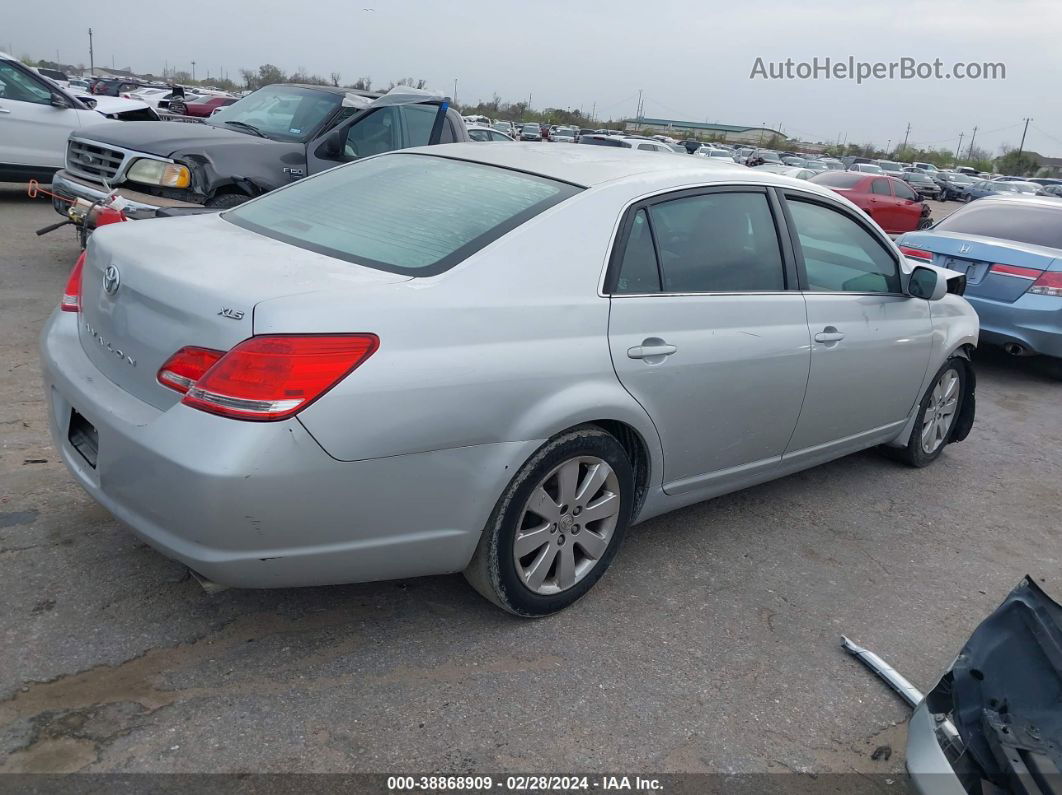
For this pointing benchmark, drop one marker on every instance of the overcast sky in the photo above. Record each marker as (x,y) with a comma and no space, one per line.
(692,58)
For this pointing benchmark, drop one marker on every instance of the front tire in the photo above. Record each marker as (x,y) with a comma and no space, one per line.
(937,415)
(557,526)
(226,201)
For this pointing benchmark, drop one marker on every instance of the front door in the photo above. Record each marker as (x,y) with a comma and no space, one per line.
(33,132)
(870,342)
(705,334)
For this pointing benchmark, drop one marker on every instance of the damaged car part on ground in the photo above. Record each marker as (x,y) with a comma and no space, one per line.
(993,722)
(341,352)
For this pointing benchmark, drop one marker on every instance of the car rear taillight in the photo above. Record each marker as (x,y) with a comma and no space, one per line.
(274,377)
(916,253)
(187,366)
(71,300)
(1049,283)
(1013,270)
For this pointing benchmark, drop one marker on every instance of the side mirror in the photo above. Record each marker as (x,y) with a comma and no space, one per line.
(331,147)
(927,283)
(59,101)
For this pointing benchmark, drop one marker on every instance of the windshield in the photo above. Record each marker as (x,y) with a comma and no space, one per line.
(404,213)
(531,128)
(1026,187)
(282,112)
(1024,222)
(888,165)
(917,176)
(869,168)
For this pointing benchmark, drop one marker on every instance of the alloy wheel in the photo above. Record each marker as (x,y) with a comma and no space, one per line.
(941,412)
(566,525)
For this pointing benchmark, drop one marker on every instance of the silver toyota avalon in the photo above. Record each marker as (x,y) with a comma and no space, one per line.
(490,360)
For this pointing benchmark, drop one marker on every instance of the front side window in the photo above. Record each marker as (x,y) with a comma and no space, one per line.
(840,255)
(406,213)
(20,87)
(717,242)
(373,134)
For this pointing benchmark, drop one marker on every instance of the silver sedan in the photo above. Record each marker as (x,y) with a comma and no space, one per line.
(490,360)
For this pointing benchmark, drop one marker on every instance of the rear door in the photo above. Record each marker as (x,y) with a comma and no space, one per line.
(706,331)
(870,342)
(882,203)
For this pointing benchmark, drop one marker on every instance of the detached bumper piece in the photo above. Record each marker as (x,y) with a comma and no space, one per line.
(1003,694)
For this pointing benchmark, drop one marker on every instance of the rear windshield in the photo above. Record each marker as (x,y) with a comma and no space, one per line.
(404,213)
(840,179)
(1037,226)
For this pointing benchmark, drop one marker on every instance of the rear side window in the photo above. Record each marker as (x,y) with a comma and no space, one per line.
(1037,226)
(405,213)
(904,192)
(716,242)
(839,254)
(638,270)
(880,186)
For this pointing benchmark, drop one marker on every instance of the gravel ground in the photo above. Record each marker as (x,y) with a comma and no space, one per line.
(711,645)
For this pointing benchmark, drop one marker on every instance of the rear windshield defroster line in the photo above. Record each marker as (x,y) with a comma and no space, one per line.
(404,213)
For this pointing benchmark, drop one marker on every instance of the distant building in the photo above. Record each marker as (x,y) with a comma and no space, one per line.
(729,133)
(1048,166)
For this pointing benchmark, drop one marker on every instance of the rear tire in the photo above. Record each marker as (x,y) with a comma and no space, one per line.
(937,416)
(540,552)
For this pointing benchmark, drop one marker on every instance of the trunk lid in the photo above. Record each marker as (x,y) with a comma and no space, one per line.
(974,255)
(191,281)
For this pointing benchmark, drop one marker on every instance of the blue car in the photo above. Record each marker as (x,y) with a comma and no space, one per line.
(998,187)
(1010,248)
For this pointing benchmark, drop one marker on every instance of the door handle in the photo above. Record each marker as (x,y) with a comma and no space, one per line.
(651,348)
(4,110)
(828,335)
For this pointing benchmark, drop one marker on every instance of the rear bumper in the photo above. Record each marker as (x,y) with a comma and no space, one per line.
(139,205)
(1032,321)
(261,505)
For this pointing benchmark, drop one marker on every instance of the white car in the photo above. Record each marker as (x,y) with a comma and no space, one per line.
(37,117)
(484,134)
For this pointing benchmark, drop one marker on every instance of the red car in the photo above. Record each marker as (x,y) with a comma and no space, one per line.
(204,107)
(889,201)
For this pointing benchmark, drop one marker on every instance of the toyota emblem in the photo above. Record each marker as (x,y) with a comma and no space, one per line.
(111,279)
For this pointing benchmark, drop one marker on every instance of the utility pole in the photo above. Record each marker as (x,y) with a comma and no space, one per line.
(529,95)
(455,91)
(959,147)
(193,71)
(638,113)
(593,112)
(1021,146)
(888,147)
(92,64)
(907,133)
(969,152)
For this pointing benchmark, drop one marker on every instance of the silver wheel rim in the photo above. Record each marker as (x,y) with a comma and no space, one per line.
(941,411)
(566,525)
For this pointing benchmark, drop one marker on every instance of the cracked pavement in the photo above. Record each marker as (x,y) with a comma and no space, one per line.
(713,644)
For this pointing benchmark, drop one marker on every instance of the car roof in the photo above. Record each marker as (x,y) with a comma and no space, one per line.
(589,166)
